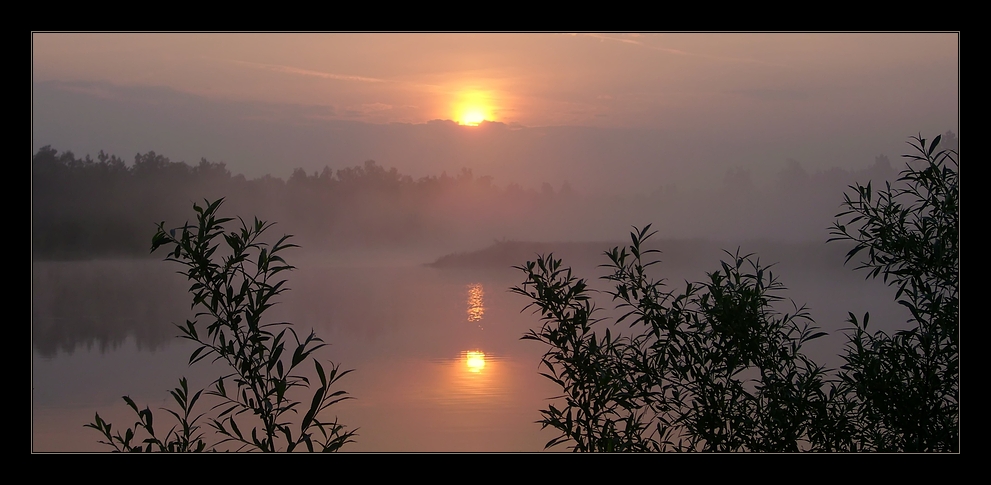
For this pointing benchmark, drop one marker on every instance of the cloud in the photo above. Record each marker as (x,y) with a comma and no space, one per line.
(307,72)
(677,52)
(99,91)
(328,75)
(372,107)
(615,39)
(773,94)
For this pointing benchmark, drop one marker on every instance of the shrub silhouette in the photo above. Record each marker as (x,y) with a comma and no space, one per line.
(715,368)
(232,293)
(903,389)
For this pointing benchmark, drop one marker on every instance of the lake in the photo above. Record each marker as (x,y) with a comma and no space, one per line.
(439,364)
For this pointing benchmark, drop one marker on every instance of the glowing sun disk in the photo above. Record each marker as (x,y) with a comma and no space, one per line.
(472,108)
(472,117)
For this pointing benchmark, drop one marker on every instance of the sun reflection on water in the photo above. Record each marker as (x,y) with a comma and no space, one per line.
(476,306)
(475,376)
(475,361)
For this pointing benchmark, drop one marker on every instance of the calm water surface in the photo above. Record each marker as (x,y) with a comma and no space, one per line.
(438,361)
(439,364)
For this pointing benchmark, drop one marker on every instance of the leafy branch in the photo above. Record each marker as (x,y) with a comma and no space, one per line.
(233,292)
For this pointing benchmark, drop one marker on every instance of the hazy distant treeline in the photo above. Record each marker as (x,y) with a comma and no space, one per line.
(83,207)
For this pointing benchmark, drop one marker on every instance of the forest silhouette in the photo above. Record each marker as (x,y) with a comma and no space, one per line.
(86,208)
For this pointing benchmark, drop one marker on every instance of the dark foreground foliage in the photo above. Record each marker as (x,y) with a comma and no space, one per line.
(903,389)
(254,405)
(715,367)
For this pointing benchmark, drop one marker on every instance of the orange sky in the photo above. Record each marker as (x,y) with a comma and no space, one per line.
(608,80)
(669,107)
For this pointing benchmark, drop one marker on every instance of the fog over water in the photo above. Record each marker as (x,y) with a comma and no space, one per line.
(438,361)
(409,219)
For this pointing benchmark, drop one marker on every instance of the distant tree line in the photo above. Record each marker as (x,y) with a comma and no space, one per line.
(83,207)
(105,207)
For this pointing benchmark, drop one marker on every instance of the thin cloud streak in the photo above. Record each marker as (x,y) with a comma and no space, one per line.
(616,39)
(337,77)
(679,52)
(306,72)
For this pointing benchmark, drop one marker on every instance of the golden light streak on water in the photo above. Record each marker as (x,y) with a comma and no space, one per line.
(476,305)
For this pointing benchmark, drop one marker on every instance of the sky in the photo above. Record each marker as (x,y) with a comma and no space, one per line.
(678,106)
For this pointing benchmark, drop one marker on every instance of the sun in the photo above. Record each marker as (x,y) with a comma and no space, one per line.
(472,117)
(473,107)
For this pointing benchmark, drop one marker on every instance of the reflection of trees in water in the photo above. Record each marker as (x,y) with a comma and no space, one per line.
(104,303)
